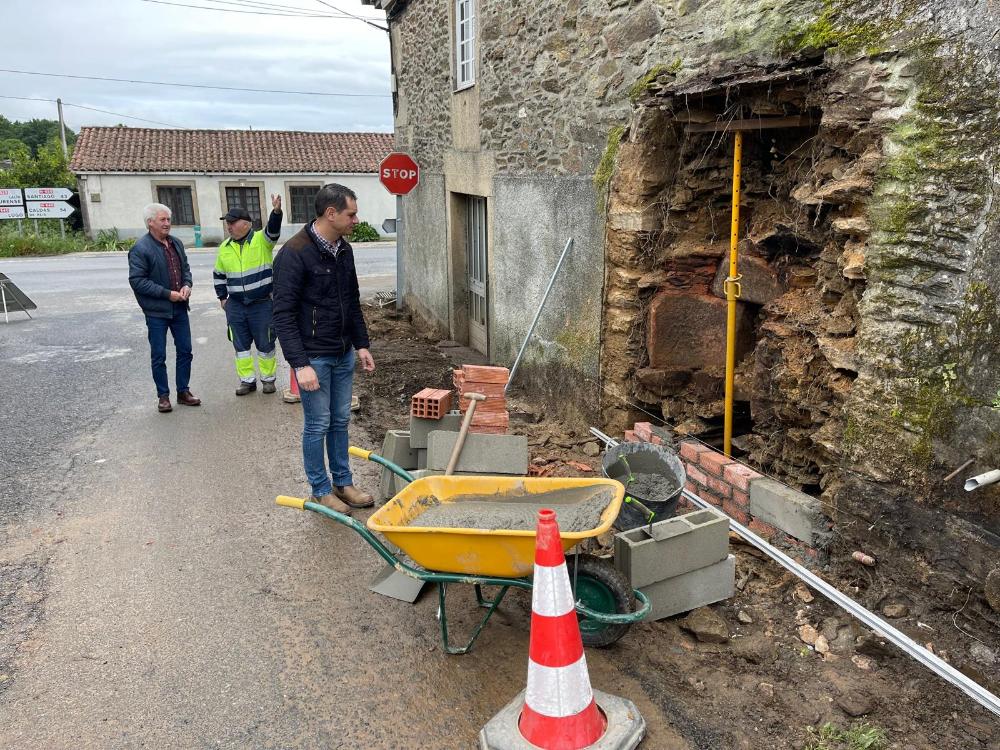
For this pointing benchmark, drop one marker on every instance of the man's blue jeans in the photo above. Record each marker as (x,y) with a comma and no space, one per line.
(180,329)
(326,414)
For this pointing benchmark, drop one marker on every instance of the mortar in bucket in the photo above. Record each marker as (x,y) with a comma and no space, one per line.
(652,474)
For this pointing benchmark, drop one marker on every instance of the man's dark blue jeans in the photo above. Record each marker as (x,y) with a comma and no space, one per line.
(180,329)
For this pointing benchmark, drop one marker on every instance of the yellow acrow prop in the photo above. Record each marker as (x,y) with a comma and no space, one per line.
(732,294)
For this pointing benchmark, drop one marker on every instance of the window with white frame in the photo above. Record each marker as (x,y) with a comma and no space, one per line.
(465,43)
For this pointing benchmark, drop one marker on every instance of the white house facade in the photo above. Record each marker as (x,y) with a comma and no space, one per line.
(200,174)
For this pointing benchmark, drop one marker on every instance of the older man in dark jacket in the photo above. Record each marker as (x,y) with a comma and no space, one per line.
(160,276)
(317,316)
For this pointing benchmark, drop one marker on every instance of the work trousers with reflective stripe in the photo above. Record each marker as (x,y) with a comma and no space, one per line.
(250,325)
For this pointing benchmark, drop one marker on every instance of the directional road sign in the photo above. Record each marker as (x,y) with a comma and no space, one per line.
(10,197)
(47,194)
(49,209)
(11,212)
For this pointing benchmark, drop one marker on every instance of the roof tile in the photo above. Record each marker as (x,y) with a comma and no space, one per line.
(121,149)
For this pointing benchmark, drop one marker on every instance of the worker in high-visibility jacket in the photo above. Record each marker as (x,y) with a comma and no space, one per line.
(243,285)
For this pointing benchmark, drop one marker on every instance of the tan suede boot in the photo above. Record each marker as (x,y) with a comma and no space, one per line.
(354,497)
(330,501)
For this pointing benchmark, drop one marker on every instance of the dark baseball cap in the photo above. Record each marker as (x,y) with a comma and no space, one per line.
(235,214)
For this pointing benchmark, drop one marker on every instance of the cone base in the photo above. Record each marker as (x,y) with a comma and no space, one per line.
(625,726)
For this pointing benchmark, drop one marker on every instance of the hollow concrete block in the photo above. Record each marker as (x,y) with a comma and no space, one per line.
(691,590)
(420,428)
(396,448)
(796,513)
(481,453)
(672,547)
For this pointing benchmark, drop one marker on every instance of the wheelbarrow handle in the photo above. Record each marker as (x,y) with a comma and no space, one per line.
(375,458)
(291,502)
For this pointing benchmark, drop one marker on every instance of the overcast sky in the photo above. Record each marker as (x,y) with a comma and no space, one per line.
(135,39)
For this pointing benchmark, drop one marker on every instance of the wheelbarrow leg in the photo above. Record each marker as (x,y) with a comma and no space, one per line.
(443,615)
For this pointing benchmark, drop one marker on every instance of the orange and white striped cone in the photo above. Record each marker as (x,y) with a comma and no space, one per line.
(559,712)
(291,394)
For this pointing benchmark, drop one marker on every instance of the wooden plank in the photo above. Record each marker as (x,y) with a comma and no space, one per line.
(761,123)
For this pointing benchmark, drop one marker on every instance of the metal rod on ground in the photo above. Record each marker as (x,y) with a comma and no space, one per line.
(531,330)
(944,670)
(3,292)
(732,294)
(959,470)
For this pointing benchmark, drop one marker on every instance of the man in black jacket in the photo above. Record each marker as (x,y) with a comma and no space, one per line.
(160,277)
(318,319)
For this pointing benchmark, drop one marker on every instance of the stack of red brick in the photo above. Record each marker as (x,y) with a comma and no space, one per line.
(490,415)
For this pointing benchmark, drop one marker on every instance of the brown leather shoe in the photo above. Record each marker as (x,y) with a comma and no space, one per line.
(331,502)
(163,405)
(354,497)
(188,399)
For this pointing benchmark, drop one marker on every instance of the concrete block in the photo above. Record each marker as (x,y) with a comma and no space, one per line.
(398,483)
(692,590)
(420,428)
(481,454)
(396,448)
(677,546)
(421,458)
(386,484)
(797,514)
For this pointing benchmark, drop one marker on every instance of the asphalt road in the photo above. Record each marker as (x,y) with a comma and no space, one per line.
(151,592)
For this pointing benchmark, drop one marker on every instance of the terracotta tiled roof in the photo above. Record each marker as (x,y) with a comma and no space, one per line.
(121,149)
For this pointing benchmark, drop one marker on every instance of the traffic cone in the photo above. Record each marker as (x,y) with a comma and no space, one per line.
(291,394)
(559,711)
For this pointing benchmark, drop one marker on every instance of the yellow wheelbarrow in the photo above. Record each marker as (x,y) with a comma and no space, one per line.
(606,604)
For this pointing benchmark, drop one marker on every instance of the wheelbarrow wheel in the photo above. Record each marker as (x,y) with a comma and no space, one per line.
(601,587)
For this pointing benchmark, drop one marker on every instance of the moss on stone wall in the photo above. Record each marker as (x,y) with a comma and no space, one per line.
(640,87)
(850,26)
(606,167)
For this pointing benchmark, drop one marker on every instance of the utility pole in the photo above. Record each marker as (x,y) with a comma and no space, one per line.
(62,138)
(62,129)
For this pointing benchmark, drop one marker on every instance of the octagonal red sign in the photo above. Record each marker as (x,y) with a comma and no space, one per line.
(399,173)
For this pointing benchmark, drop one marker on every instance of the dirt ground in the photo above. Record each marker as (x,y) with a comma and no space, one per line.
(792,659)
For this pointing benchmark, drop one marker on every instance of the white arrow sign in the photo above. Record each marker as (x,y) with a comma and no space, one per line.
(11,212)
(49,210)
(47,194)
(10,197)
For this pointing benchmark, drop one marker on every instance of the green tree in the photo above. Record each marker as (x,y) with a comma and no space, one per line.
(34,133)
(48,169)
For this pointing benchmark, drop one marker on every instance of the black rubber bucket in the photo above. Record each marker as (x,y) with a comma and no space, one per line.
(652,474)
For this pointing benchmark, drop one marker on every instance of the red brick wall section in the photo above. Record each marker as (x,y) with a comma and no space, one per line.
(725,484)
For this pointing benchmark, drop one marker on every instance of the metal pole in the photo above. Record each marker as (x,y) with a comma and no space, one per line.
(3,292)
(732,293)
(937,665)
(569,244)
(62,228)
(400,275)
(62,129)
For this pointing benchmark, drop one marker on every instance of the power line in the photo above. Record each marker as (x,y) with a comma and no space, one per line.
(278,6)
(375,25)
(92,109)
(190,85)
(246,12)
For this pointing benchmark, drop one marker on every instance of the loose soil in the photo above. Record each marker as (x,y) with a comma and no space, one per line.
(773,678)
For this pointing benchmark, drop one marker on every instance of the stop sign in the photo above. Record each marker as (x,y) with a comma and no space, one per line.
(399,173)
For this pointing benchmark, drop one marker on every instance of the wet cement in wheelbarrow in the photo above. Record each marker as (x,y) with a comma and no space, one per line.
(577,509)
(653,487)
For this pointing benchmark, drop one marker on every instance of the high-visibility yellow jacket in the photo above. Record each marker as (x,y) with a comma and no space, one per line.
(243,268)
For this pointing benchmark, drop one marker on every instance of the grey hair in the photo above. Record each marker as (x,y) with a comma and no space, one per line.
(149,212)
(334,195)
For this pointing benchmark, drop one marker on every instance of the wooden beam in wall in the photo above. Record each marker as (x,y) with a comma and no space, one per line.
(760,123)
